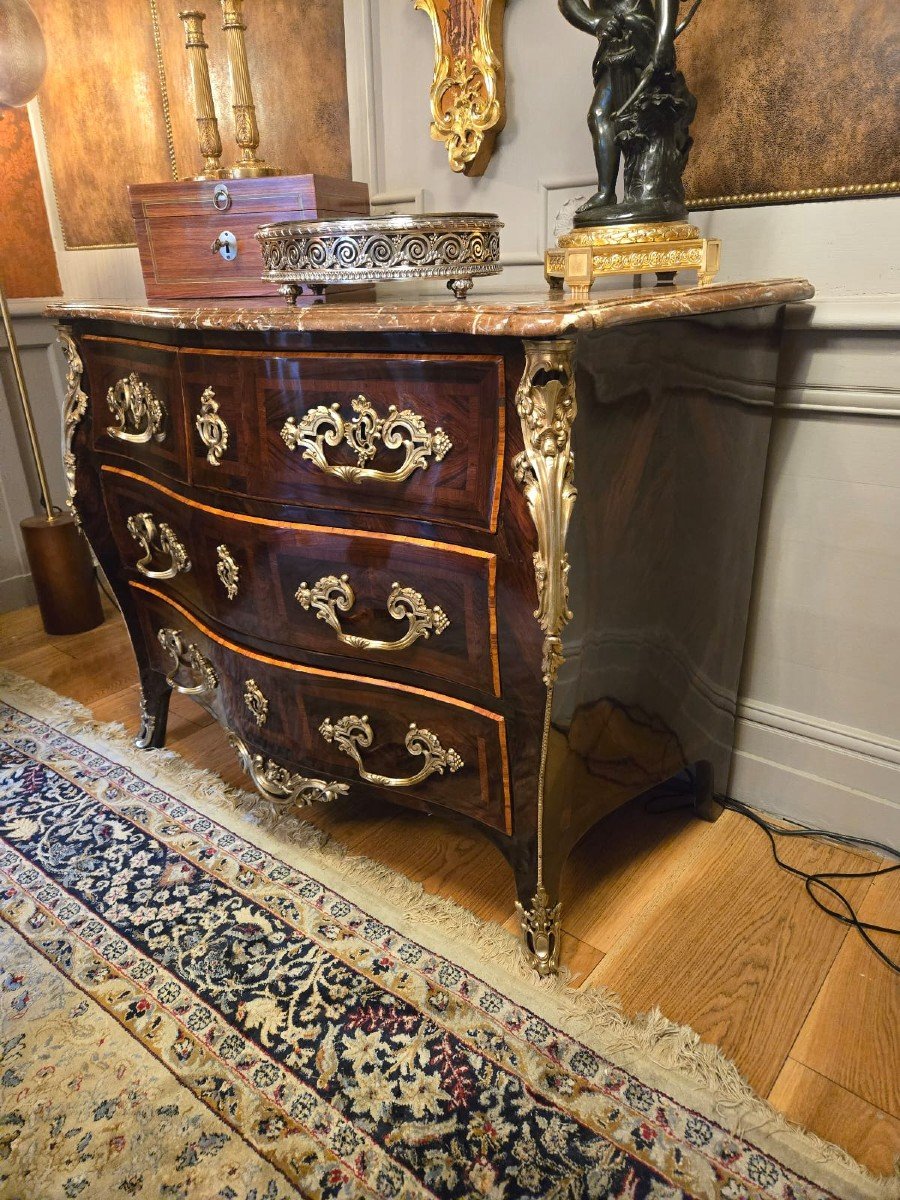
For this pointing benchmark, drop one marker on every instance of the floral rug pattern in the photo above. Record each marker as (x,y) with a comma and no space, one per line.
(184,1014)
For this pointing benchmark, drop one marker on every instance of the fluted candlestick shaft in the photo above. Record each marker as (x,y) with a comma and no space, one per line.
(246,130)
(207,124)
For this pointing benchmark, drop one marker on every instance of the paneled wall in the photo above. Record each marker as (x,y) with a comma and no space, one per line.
(819,720)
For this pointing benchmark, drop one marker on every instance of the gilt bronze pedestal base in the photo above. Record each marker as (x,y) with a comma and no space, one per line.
(584,255)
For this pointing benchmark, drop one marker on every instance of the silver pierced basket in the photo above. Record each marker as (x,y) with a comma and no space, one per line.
(353,250)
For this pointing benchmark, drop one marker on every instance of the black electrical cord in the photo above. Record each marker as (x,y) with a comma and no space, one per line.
(684,789)
(820,879)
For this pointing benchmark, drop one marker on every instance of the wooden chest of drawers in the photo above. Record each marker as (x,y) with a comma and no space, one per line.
(352,532)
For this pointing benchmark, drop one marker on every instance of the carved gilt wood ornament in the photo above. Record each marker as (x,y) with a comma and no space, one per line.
(467,91)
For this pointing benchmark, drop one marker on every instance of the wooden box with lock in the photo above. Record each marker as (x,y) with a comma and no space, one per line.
(196,238)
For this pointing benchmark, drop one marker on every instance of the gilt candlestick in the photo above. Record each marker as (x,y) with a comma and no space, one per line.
(246,131)
(207,124)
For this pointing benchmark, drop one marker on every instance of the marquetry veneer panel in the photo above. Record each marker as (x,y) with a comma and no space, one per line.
(258,393)
(299,698)
(272,559)
(111,362)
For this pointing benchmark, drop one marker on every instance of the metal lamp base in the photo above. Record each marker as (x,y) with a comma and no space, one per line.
(584,255)
(63,574)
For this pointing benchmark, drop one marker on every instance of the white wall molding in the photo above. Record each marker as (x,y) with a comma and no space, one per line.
(360,52)
(17,591)
(814,771)
(412,201)
(827,734)
(866,313)
(837,402)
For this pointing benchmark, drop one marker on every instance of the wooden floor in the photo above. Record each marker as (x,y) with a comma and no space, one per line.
(666,911)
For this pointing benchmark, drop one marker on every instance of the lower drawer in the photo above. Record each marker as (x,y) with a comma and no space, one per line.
(377,598)
(343,729)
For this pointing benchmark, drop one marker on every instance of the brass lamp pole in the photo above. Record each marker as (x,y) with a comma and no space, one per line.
(58,555)
(26,405)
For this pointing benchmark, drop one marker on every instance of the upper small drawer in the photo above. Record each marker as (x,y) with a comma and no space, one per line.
(418,436)
(136,407)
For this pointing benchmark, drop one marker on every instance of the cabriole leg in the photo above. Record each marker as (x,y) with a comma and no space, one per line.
(155,696)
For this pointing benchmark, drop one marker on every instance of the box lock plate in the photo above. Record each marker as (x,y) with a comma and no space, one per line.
(225,245)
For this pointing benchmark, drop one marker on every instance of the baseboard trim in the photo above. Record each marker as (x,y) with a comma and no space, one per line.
(16,592)
(851,402)
(837,737)
(816,772)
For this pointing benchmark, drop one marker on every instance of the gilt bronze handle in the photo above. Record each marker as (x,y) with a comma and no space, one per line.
(191,659)
(157,539)
(352,734)
(139,415)
(283,787)
(399,430)
(332,594)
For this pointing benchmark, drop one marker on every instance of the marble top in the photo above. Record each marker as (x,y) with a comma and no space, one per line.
(535,314)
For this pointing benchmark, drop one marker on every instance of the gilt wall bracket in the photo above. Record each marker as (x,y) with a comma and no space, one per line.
(467,91)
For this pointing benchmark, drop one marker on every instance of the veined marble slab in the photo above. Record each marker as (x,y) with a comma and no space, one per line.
(399,310)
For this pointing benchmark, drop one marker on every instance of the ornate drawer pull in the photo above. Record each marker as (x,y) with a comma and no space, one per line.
(405,430)
(157,539)
(228,571)
(352,733)
(281,785)
(139,415)
(212,429)
(256,701)
(332,593)
(190,658)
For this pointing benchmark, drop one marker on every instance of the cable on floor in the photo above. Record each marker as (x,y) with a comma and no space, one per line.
(680,795)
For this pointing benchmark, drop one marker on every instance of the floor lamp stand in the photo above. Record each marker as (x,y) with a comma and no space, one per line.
(58,554)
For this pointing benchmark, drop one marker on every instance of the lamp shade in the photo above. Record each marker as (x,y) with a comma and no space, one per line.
(23,54)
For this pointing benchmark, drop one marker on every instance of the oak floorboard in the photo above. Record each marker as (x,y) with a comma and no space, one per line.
(21,631)
(63,674)
(820,1104)
(852,1034)
(604,885)
(446,860)
(110,637)
(207,747)
(124,707)
(733,947)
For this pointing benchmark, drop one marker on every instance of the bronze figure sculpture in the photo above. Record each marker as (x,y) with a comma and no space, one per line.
(641,115)
(641,110)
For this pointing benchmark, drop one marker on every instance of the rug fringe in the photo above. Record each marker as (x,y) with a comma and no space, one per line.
(662,1053)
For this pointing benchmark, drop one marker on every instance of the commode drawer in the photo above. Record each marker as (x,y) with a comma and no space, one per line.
(346,730)
(379,599)
(406,435)
(135,396)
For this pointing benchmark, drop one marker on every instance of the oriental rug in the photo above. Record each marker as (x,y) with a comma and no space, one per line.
(202,998)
